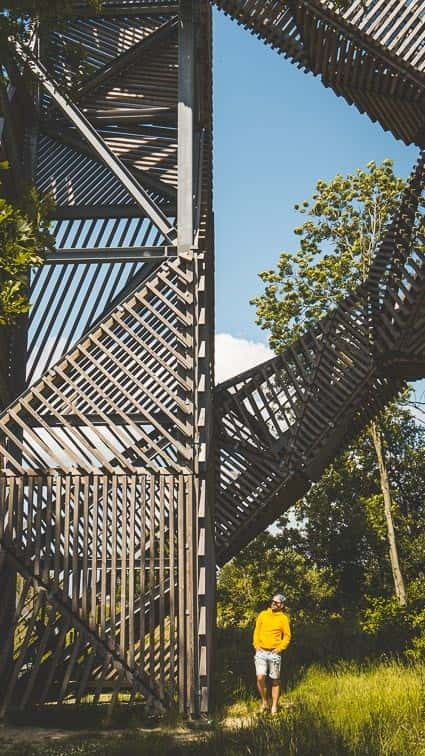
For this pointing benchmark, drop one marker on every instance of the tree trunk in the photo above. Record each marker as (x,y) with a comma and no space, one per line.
(386,492)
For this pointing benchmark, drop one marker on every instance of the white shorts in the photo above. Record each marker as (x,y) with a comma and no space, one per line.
(268,663)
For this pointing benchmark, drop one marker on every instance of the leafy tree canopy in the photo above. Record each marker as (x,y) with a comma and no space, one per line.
(329,556)
(24,237)
(337,239)
(337,536)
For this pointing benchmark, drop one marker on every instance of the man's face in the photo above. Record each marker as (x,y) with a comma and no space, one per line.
(276,605)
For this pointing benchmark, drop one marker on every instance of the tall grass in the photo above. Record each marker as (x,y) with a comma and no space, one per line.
(378,710)
(346,711)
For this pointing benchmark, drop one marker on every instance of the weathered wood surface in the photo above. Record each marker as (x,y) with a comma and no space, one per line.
(86,600)
(100,440)
(5,394)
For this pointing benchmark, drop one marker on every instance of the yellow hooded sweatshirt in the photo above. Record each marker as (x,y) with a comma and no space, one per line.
(272,631)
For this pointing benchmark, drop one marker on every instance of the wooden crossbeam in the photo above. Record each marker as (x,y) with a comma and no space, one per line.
(65,256)
(353,51)
(104,153)
(131,8)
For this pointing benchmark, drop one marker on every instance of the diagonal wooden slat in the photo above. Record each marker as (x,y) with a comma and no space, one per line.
(360,53)
(114,371)
(281,423)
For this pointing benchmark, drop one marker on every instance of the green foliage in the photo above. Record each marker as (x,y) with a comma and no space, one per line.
(341,525)
(24,238)
(267,566)
(341,522)
(378,710)
(330,558)
(343,224)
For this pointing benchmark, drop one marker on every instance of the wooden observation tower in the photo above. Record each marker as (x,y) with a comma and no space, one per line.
(126,475)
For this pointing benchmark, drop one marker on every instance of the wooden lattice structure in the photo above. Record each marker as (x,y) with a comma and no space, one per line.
(126,476)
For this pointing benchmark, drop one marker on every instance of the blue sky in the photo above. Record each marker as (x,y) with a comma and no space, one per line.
(276,131)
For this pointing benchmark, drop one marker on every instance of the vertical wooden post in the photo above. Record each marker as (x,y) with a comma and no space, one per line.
(187,536)
(185,127)
(194,117)
(20,154)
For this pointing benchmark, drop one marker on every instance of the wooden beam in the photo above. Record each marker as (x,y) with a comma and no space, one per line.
(104,153)
(121,63)
(101,212)
(126,9)
(109,254)
(185,128)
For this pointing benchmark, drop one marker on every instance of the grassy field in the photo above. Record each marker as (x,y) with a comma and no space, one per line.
(347,710)
(380,710)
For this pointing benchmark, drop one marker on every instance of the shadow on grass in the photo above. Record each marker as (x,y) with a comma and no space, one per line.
(303,730)
(82,717)
(295,732)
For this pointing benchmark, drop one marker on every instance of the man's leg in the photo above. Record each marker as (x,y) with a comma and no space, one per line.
(275,679)
(275,695)
(261,672)
(262,689)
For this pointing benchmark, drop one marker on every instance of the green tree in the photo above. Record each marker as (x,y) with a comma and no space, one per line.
(343,223)
(341,523)
(329,556)
(337,241)
(24,238)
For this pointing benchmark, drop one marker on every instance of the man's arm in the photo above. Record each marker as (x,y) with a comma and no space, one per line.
(286,635)
(257,630)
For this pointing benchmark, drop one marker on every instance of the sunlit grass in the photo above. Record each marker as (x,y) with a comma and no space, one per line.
(377,710)
(374,711)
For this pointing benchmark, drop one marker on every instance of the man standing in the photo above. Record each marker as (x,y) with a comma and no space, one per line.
(272,635)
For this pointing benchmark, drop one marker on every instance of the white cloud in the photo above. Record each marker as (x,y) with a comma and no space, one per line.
(233,356)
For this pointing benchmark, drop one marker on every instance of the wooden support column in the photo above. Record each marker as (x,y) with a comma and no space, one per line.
(14,341)
(186,102)
(194,118)
(194,111)
(204,298)
(186,108)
